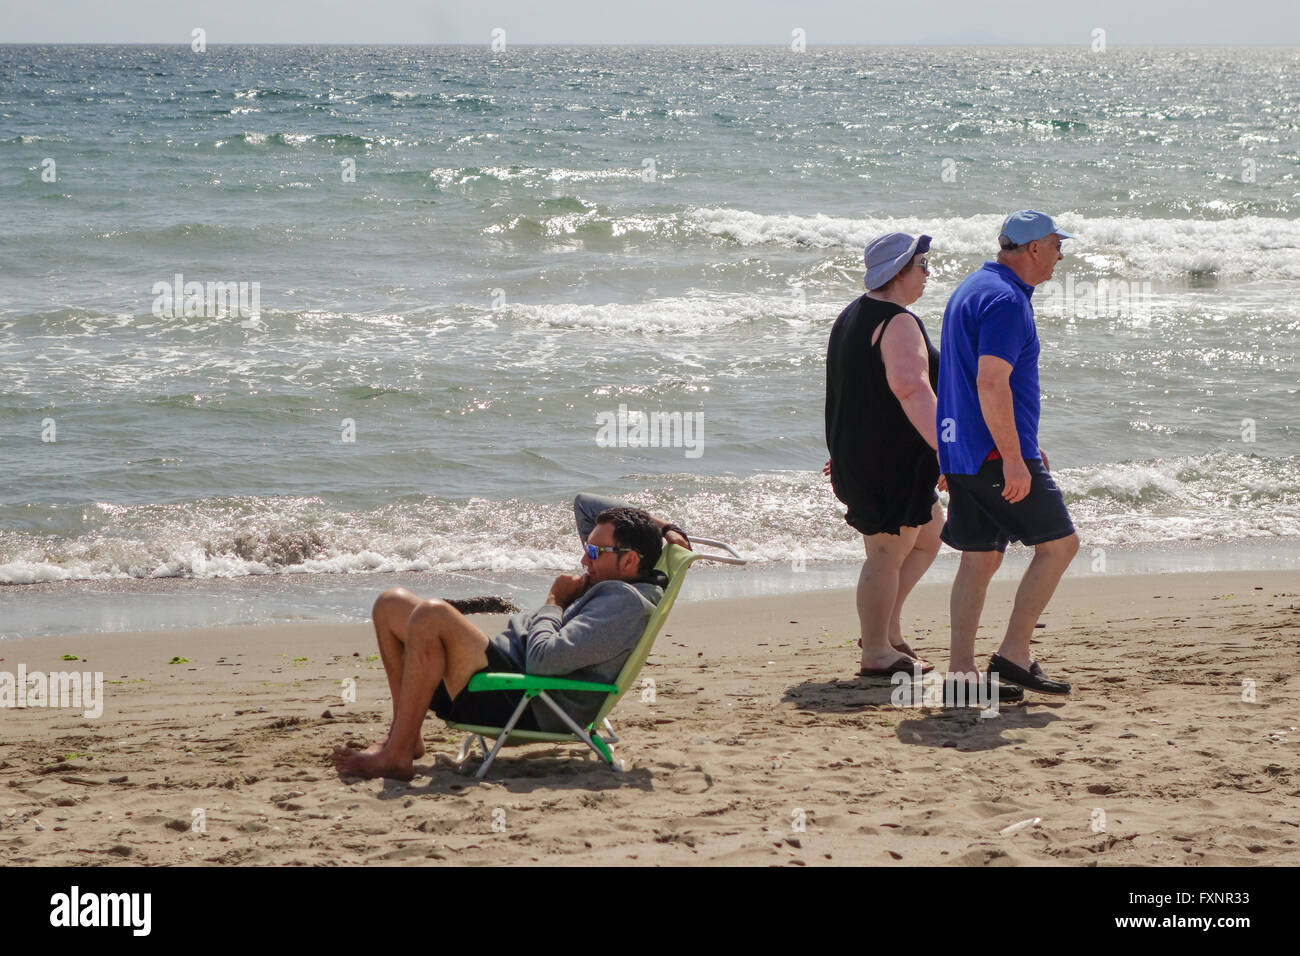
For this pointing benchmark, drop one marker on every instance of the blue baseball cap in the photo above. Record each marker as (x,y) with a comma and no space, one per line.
(1028,224)
(886,256)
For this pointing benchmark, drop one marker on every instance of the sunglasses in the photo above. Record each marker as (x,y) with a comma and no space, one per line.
(925,265)
(594,550)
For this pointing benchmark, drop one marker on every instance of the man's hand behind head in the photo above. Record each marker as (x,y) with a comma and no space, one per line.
(675,537)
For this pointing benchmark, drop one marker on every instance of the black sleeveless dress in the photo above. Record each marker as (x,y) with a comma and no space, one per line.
(881,467)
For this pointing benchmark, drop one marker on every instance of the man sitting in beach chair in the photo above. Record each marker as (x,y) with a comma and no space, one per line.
(585,631)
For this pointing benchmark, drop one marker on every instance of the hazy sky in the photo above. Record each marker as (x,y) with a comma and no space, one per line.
(649,21)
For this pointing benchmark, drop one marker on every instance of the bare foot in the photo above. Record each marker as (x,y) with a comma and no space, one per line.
(357,763)
(903,648)
(874,662)
(416,752)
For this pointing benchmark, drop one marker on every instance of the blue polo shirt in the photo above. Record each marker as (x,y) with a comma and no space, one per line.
(988,314)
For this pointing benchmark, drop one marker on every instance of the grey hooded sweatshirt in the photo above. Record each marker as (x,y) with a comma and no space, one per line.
(589,640)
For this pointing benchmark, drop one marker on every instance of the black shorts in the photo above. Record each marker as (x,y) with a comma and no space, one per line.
(980,519)
(485,708)
(912,510)
(899,494)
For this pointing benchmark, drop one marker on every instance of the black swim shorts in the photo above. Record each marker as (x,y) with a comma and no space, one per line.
(980,519)
(485,708)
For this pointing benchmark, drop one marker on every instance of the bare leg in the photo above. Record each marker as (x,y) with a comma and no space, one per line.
(390,614)
(967,603)
(878,592)
(441,646)
(1051,558)
(911,571)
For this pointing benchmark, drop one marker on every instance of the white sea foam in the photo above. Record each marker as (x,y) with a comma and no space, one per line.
(769,517)
(558,174)
(1254,246)
(683,314)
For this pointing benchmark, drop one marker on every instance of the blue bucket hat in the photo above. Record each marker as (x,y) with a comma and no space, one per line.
(886,256)
(1029,224)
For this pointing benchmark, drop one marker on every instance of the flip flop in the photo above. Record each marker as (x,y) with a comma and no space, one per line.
(1031,679)
(901,666)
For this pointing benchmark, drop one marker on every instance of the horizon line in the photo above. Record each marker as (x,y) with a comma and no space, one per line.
(477,43)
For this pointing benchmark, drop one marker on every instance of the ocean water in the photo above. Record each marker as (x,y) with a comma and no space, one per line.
(462,269)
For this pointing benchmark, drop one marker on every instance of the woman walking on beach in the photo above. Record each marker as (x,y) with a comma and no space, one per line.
(881,375)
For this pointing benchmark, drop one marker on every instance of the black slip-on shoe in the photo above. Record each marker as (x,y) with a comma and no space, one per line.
(1007,693)
(904,665)
(1032,679)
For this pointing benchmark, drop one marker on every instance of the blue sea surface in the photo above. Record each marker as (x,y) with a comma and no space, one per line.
(457,263)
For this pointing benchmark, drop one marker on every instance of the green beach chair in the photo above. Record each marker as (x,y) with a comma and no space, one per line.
(674,562)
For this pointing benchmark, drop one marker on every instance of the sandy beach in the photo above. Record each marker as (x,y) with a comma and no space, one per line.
(760,746)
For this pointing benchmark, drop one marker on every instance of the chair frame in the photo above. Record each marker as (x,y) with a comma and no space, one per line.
(675,562)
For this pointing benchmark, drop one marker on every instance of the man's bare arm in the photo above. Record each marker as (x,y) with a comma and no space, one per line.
(993,382)
(587,506)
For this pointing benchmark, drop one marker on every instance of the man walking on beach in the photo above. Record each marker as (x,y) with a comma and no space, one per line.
(998,483)
(585,631)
